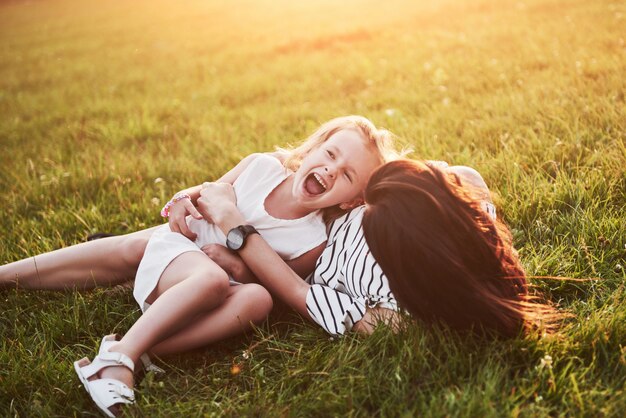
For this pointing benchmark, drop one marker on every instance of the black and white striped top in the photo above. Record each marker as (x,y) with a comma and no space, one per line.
(347,279)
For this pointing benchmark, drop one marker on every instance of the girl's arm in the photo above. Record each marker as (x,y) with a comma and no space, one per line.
(179,210)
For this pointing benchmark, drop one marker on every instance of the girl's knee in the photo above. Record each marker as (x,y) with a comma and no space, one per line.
(259,300)
(213,282)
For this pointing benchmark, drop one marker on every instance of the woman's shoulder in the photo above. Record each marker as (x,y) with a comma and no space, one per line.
(348,223)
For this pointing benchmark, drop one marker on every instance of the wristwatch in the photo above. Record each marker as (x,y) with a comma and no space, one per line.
(236,238)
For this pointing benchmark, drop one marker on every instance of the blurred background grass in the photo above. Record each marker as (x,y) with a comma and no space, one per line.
(98,100)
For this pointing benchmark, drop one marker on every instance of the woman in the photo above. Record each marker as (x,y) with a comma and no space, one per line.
(433,232)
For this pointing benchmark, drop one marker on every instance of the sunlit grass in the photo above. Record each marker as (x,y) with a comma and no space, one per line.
(100,99)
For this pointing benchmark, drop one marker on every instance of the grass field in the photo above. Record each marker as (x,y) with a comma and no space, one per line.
(98,100)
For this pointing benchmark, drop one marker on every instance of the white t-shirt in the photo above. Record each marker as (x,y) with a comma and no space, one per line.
(290,238)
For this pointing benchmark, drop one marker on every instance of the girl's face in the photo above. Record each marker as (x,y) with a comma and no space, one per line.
(335,172)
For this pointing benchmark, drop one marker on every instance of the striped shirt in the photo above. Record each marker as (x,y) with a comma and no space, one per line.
(347,279)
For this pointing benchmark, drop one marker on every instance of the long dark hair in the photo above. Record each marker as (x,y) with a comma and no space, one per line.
(446,260)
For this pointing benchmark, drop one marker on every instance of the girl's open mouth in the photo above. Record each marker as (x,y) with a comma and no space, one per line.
(314,184)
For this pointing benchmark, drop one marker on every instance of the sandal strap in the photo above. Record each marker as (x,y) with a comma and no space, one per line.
(117,359)
(108,392)
(120,359)
(110,340)
(107,342)
(107,359)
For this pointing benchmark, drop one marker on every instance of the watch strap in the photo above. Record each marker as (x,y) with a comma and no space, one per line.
(247,230)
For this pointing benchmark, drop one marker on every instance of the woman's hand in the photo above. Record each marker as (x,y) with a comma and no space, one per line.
(230,262)
(177,214)
(376,315)
(218,204)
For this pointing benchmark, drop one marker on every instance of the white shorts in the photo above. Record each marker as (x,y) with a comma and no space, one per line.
(163,247)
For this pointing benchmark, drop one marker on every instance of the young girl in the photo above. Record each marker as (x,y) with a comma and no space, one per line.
(191,302)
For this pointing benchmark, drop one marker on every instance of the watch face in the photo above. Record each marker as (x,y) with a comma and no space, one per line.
(234,240)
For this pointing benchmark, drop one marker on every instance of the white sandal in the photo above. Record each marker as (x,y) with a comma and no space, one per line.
(105,392)
(146,362)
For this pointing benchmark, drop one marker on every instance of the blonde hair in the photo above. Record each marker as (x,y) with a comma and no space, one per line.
(380,141)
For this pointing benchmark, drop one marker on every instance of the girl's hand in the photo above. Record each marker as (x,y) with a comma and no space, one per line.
(177,215)
(230,262)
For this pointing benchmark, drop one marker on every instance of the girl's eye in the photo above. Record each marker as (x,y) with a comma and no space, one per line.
(348,177)
(330,154)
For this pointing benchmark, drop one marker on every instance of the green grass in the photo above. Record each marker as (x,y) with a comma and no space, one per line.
(99,99)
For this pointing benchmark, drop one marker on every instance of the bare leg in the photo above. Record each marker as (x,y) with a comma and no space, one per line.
(191,285)
(102,262)
(245,305)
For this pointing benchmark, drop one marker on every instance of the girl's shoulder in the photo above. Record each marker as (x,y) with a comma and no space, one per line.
(267,157)
(279,155)
(262,158)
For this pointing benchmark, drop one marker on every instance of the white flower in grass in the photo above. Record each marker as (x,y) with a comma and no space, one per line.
(158,180)
(545,363)
(155,201)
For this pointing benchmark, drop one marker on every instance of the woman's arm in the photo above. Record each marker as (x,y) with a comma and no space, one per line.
(230,262)
(234,265)
(270,269)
